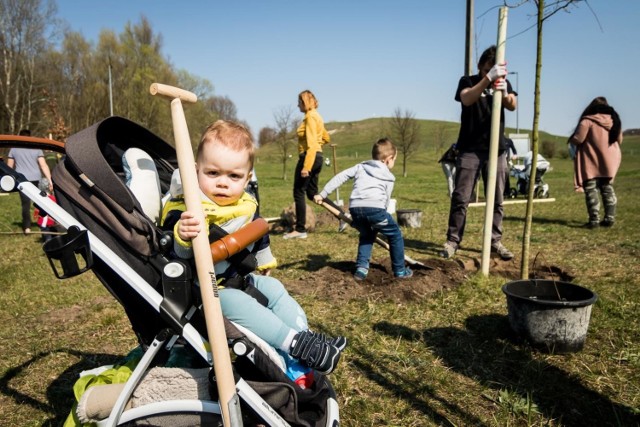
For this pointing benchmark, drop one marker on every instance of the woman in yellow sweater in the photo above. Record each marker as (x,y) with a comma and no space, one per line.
(311,136)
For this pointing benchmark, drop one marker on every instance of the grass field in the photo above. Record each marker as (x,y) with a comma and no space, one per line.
(443,360)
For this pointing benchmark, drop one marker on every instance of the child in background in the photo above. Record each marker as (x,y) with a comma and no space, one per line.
(372,186)
(46,223)
(224,161)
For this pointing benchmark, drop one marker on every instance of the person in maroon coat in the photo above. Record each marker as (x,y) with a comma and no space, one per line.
(597,140)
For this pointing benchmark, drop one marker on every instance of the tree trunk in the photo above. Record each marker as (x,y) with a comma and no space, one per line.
(526,237)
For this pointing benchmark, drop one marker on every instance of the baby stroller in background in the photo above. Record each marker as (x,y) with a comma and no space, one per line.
(522,173)
(110,232)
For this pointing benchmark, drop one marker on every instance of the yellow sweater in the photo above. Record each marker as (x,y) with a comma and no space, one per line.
(311,136)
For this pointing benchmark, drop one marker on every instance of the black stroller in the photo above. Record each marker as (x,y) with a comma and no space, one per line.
(110,233)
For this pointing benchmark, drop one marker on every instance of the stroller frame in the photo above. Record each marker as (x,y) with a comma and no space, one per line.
(523,179)
(11,181)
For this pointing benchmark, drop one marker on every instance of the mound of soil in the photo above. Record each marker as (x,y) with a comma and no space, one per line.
(336,281)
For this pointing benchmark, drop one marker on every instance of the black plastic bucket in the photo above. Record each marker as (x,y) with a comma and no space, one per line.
(553,316)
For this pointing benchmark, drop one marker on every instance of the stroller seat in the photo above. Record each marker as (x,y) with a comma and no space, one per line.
(142,178)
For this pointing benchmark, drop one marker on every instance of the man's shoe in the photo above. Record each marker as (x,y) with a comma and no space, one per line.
(314,352)
(607,222)
(404,274)
(500,249)
(592,224)
(361,273)
(449,250)
(295,235)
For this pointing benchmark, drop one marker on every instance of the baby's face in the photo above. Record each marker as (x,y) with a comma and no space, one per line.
(223,173)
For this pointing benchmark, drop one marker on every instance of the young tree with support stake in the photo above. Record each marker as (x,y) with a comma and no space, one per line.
(543,12)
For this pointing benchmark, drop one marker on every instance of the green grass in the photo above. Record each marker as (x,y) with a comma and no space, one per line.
(443,360)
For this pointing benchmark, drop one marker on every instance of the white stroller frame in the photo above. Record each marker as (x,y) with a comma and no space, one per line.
(10,181)
(522,173)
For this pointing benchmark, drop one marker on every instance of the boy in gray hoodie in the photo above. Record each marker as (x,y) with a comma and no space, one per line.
(372,186)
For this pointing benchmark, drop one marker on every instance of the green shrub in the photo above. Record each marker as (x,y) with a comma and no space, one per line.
(548,149)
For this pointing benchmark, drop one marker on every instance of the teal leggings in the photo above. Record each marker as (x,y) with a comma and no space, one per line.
(272,323)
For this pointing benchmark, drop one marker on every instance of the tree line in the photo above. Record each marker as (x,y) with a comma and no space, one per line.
(55,82)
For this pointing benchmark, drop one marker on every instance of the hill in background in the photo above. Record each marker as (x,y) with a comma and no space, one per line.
(355,138)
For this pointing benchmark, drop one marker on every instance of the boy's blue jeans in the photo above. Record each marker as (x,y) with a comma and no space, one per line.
(371,221)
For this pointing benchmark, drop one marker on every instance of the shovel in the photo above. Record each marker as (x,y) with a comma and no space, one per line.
(343,216)
(228,398)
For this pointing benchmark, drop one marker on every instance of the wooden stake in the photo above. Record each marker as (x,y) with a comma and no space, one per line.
(496,111)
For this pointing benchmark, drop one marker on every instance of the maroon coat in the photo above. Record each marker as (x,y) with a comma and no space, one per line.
(595,157)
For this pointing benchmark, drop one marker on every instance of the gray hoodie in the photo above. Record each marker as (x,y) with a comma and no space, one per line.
(372,184)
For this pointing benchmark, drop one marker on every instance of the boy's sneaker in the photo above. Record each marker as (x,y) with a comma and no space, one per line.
(361,273)
(314,352)
(338,342)
(449,250)
(404,274)
(295,235)
(504,253)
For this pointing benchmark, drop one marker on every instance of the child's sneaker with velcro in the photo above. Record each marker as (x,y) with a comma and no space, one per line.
(339,342)
(404,274)
(361,273)
(314,352)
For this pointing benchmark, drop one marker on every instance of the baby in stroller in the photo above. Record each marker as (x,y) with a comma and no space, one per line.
(522,173)
(121,243)
(224,162)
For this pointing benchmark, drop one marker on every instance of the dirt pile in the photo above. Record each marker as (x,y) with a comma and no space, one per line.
(336,280)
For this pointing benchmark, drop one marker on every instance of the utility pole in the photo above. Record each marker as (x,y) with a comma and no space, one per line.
(468,56)
(110,90)
(468,48)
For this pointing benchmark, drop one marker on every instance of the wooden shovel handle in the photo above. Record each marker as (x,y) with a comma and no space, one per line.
(234,242)
(172,92)
(229,402)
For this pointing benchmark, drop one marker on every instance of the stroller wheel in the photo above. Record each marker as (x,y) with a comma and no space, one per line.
(513,193)
(539,193)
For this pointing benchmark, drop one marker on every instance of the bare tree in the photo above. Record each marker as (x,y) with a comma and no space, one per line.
(224,108)
(440,133)
(23,40)
(405,132)
(285,125)
(266,136)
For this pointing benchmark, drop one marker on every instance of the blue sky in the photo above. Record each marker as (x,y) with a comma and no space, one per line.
(366,58)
